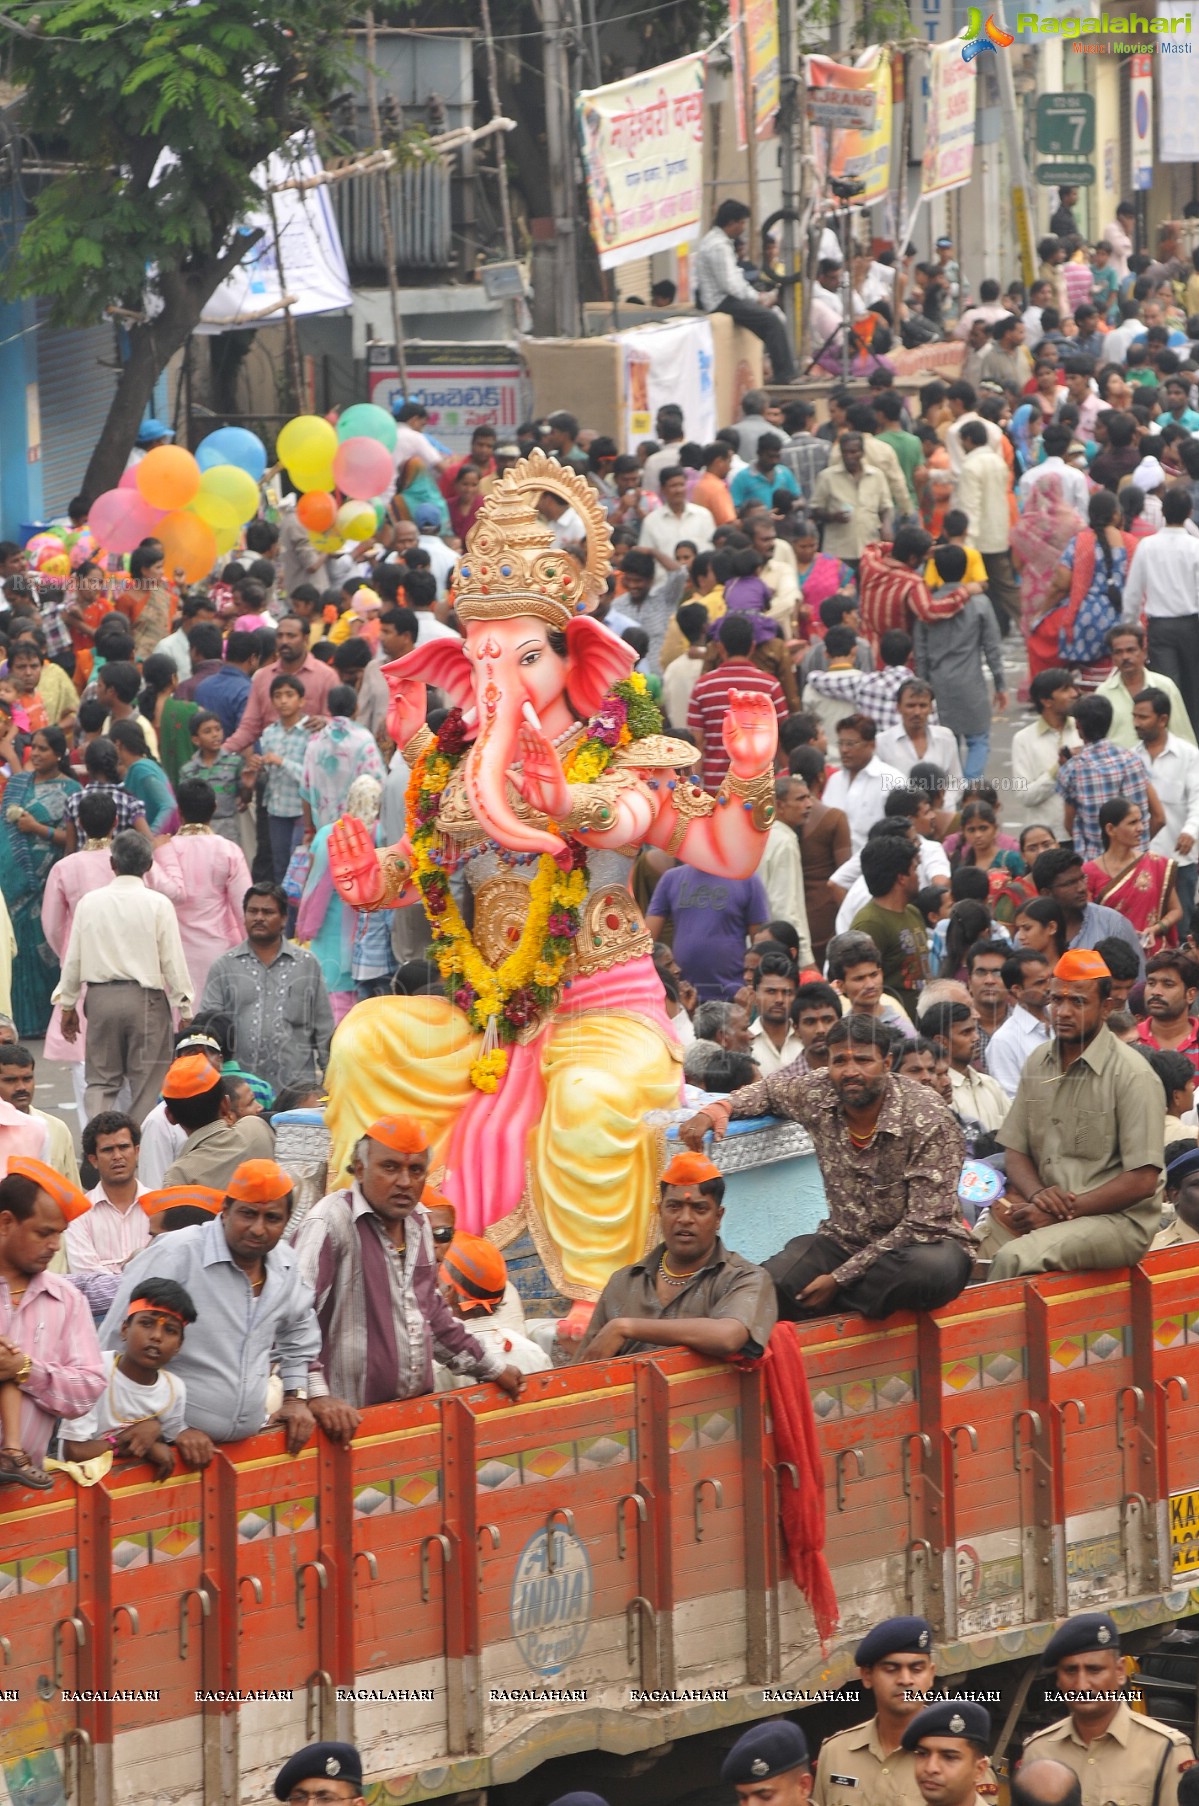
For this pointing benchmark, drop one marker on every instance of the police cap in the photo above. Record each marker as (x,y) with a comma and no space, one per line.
(765,1750)
(894,1636)
(320,1761)
(1078,1635)
(950,1718)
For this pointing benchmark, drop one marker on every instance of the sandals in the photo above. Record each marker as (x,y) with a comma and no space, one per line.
(16,1469)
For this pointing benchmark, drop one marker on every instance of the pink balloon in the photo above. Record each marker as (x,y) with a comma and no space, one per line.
(129,478)
(362,468)
(120,519)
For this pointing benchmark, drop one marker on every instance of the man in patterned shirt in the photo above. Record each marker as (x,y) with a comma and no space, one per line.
(1099,771)
(873,693)
(890,1155)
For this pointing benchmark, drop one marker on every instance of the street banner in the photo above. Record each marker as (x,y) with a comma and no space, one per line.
(856,155)
(1178,108)
(949,127)
(674,362)
(462,386)
(761,29)
(643,153)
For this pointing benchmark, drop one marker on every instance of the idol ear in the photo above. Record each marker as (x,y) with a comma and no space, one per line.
(440,662)
(595,660)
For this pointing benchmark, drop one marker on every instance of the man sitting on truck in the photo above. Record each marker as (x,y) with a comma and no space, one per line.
(890,1155)
(690,1291)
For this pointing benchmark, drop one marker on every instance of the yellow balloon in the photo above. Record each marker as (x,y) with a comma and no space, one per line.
(328,542)
(306,437)
(315,472)
(355,520)
(221,515)
(226,538)
(232,486)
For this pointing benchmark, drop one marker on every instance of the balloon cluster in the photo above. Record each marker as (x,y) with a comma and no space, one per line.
(355,459)
(196,506)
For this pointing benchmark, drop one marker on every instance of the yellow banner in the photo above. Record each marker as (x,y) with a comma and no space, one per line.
(761,30)
(643,143)
(852,155)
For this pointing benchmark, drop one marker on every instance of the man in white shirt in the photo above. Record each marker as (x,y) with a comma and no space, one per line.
(125,949)
(442,558)
(411,441)
(915,740)
(1026,978)
(988,309)
(982,492)
(720,287)
(1173,768)
(781,867)
(1075,488)
(676,519)
(1037,750)
(863,783)
(773,1040)
(114,1228)
(963,404)
(1163,585)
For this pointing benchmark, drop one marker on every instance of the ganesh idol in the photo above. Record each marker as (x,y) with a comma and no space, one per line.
(535,1071)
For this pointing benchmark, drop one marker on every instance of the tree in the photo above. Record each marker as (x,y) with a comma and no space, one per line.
(164,114)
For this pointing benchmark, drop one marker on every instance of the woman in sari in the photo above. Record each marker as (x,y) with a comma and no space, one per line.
(1025,434)
(1039,538)
(819,578)
(1140,885)
(143,777)
(417,485)
(33,838)
(1091,578)
(324,921)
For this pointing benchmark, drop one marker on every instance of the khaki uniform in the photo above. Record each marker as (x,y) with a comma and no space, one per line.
(1136,1762)
(854,1770)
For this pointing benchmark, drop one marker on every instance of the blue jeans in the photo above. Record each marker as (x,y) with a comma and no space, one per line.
(1185,880)
(285,832)
(974,758)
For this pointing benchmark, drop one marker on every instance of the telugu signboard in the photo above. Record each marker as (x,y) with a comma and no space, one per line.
(643,153)
(463,386)
(949,131)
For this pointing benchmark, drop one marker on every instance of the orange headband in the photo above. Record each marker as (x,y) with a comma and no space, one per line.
(476,1269)
(202,1197)
(159,1310)
(1080,965)
(190,1076)
(259,1182)
(70,1200)
(690,1169)
(402,1134)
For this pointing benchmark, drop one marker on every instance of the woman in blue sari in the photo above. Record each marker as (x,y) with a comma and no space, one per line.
(34,837)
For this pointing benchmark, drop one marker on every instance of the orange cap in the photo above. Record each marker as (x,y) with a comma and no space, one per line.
(476,1269)
(433,1200)
(203,1197)
(190,1076)
(70,1200)
(690,1169)
(1081,964)
(259,1182)
(402,1134)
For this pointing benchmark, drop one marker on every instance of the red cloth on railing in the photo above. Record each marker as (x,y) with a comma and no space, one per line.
(801,1507)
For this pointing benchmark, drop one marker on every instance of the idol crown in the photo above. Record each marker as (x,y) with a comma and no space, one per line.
(511,565)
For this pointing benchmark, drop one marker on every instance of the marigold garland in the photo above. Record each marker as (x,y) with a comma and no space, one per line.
(504,1000)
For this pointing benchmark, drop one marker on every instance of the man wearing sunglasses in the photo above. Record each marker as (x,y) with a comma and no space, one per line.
(370,1255)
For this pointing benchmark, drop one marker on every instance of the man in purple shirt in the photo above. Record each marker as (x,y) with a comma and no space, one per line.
(714,920)
(368,1254)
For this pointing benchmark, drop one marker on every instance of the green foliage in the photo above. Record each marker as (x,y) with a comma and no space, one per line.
(112,85)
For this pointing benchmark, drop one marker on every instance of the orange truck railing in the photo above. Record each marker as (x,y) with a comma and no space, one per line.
(474,1587)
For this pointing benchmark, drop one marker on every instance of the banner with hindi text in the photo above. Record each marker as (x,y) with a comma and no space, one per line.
(949,128)
(643,152)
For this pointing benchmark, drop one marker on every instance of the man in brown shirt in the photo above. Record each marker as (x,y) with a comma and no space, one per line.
(690,1291)
(824,843)
(890,1155)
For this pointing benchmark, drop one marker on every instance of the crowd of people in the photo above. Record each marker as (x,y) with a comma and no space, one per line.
(927,939)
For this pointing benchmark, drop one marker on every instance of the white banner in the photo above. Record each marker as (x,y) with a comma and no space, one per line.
(309,254)
(949,128)
(643,150)
(674,362)
(1178,104)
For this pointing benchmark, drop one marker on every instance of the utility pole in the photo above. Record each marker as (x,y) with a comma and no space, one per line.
(501,163)
(789,127)
(384,185)
(559,144)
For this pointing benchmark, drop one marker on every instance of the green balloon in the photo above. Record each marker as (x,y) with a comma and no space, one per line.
(366,421)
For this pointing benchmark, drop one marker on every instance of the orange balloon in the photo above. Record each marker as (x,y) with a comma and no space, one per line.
(316,510)
(188,545)
(167,477)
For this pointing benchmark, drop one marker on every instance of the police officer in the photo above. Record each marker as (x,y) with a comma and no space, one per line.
(867,1765)
(769,1765)
(1121,1757)
(949,1742)
(324,1774)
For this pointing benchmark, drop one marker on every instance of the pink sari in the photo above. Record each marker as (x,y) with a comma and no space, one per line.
(1039,537)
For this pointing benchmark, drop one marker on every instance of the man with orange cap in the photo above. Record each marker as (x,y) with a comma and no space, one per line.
(253,1308)
(474,1280)
(50,1363)
(368,1254)
(1084,1140)
(198,1099)
(690,1291)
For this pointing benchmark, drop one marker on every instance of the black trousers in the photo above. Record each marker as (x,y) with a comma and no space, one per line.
(766,325)
(917,1278)
(1173,647)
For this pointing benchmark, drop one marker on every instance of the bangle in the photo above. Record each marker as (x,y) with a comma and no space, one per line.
(756,793)
(23,1372)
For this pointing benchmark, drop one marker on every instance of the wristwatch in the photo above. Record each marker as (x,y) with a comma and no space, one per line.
(299,1392)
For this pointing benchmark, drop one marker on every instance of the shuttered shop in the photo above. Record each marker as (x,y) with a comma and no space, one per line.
(76,378)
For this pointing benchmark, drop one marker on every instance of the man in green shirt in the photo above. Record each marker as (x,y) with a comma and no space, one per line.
(892,921)
(888,405)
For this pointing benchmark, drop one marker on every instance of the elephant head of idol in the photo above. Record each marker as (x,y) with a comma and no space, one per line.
(534,650)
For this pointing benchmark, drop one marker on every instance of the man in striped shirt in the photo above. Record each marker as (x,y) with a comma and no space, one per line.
(710,697)
(892,588)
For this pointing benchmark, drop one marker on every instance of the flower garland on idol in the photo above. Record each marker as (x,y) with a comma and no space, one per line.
(502,1001)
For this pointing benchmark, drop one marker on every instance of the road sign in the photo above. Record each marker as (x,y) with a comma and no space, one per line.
(1066,125)
(1066,175)
(1140,94)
